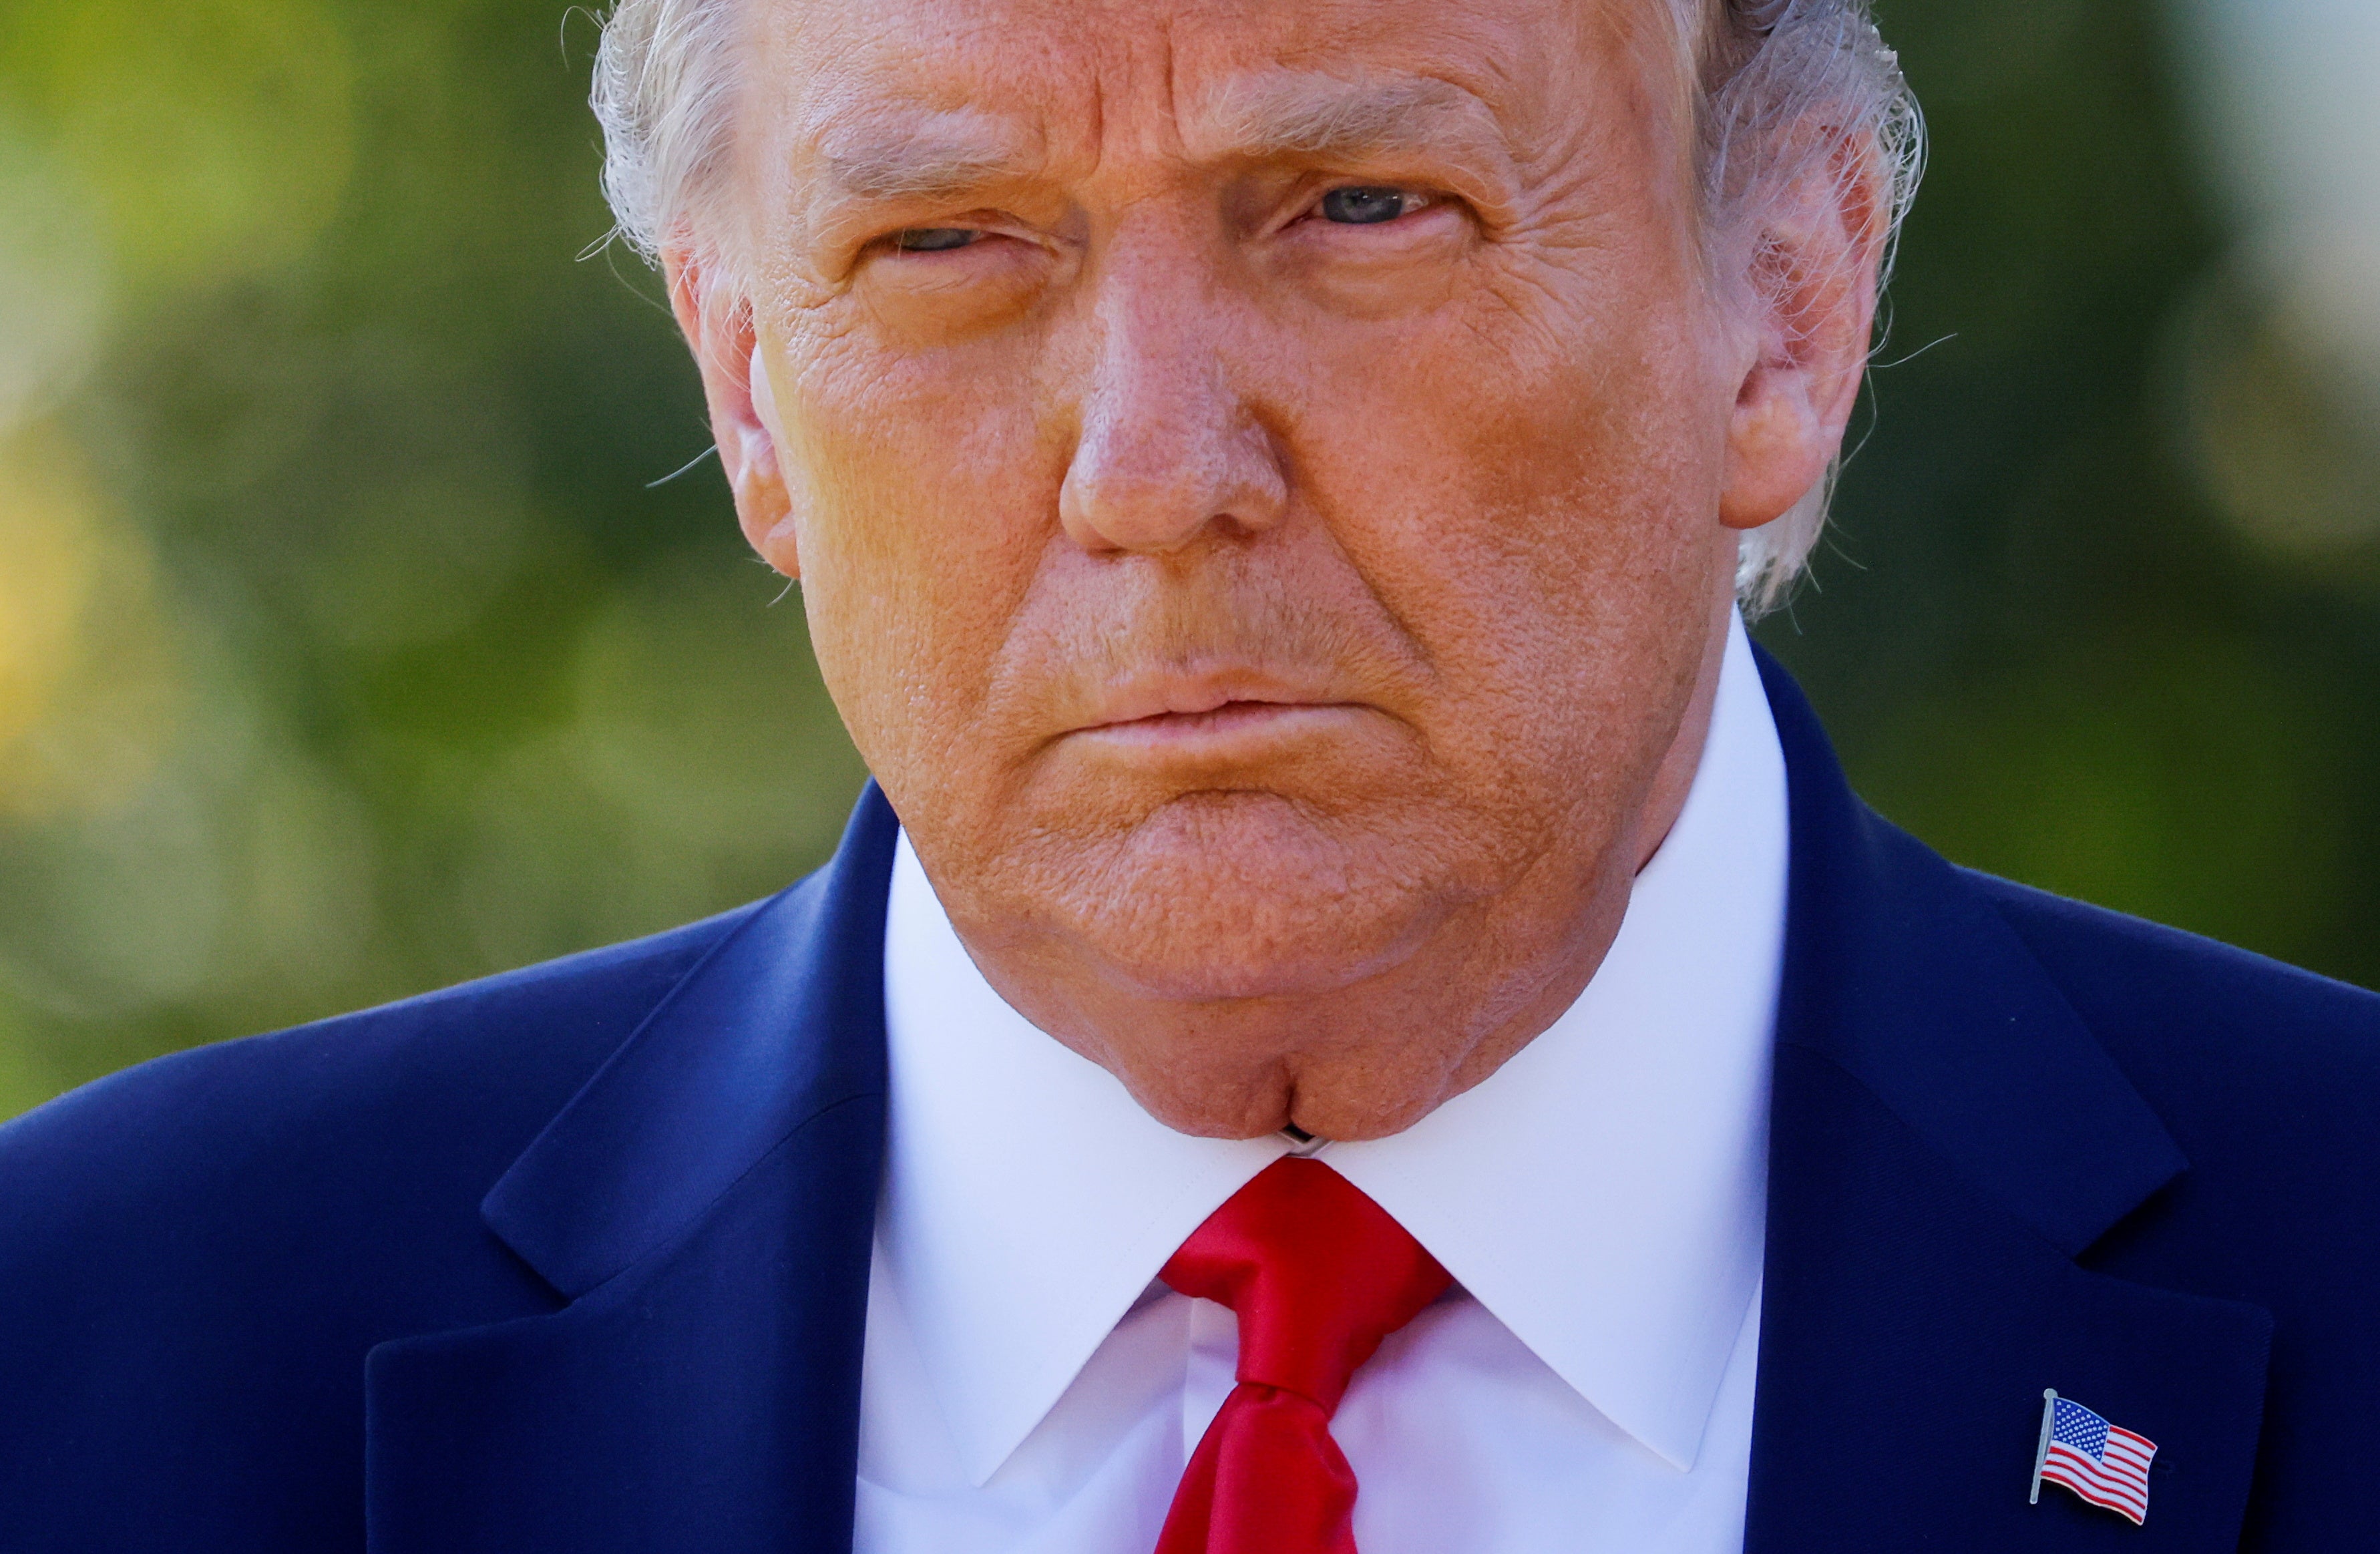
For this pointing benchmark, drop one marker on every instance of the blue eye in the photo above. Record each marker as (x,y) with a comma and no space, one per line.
(1365,206)
(933,239)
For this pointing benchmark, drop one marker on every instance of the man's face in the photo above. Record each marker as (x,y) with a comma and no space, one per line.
(1253,465)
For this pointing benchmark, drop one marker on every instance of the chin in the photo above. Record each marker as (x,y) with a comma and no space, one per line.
(1244,895)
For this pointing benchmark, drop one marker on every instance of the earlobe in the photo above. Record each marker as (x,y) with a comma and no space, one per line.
(736,387)
(1777,445)
(763,503)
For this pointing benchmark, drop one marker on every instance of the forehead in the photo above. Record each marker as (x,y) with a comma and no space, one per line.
(1046,78)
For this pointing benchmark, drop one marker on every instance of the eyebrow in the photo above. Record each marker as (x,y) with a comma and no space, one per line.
(1304,115)
(927,157)
(915,169)
(946,155)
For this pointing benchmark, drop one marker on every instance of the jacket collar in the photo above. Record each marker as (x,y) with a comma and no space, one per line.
(782,1021)
(1902,975)
(1947,1138)
(704,1204)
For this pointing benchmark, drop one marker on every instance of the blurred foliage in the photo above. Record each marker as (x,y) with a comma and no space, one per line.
(347,647)
(2100,609)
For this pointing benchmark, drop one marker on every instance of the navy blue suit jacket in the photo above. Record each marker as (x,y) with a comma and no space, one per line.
(576,1258)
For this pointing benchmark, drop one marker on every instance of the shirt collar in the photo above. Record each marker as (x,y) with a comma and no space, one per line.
(1602,1194)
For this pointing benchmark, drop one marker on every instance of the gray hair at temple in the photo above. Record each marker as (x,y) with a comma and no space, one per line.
(1766,71)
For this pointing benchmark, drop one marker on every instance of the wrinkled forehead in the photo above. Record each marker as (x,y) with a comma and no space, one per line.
(946,83)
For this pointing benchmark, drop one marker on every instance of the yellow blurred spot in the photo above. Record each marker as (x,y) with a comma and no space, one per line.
(47,539)
(89,686)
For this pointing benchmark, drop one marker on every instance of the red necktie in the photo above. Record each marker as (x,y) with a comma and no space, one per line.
(1318,1274)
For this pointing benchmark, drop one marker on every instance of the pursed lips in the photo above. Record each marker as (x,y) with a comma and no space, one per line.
(1201,712)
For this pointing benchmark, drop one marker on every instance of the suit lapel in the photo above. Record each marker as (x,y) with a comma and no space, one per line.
(704,1207)
(1947,1138)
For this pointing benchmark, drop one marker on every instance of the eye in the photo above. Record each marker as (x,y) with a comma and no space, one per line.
(1368,205)
(933,239)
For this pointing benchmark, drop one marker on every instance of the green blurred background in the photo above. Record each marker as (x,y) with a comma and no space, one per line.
(348,649)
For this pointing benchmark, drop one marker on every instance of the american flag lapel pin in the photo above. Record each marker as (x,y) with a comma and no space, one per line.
(2104,1464)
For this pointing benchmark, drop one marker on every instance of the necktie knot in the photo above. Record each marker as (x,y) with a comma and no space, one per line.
(1317,1273)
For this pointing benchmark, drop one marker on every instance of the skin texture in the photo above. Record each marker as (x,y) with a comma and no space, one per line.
(1283,637)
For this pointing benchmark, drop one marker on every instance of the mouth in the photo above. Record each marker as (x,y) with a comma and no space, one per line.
(1207,714)
(1233,719)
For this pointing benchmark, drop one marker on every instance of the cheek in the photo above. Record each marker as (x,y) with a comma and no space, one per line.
(929,493)
(1528,482)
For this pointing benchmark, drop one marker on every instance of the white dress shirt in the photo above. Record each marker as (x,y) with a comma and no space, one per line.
(1030,1389)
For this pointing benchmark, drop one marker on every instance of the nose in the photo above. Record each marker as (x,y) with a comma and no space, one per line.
(1168,450)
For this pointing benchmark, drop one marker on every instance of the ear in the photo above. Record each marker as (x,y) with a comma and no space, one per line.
(736,385)
(1811,259)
